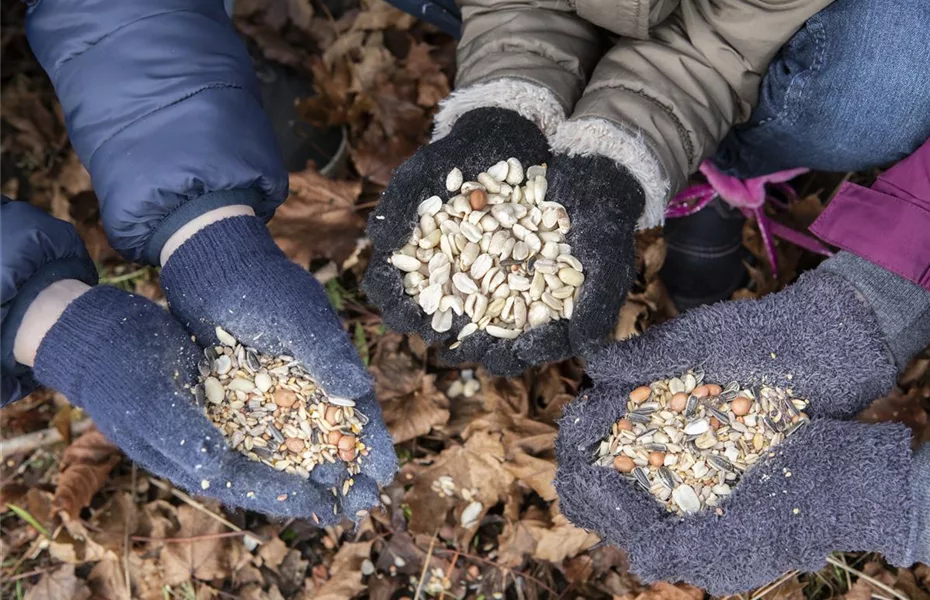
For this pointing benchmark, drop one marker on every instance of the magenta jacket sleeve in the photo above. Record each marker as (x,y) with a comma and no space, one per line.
(889,223)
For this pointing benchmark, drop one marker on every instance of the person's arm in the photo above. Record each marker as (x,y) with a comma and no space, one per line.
(530,57)
(163,108)
(37,251)
(659,106)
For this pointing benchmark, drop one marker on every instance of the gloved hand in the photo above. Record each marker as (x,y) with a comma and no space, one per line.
(130,365)
(832,485)
(602,200)
(231,274)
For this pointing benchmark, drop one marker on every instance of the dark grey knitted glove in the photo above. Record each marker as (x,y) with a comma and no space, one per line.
(602,199)
(849,486)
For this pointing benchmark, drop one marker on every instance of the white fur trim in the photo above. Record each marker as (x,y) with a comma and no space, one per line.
(599,136)
(529,100)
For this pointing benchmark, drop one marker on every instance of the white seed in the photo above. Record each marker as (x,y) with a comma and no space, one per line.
(535,171)
(550,218)
(469,254)
(464,284)
(488,223)
(550,250)
(430,241)
(538,285)
(538,314)
(544,265)
(501,332)
(460,205)
(514,171)
(467,330)
(568,308)
(471,232)
(502,291)
(497,242)
(686,499)
(499,171)
(505,215)
(263,382)
(447,227)
(404,263)
(456,304)
(431,205)
(520,232)
(430,297)
(697,427)
(520,251)
(571,277)
(213,390)
(518,282)
(574,263)
(222,365)
(519,313)
(481,266)
(507,250)
(470,186)
(454,180)
(442,321)
(495,307)
(552,302)
(563,292)
(224,337)
(489,183)
(441,275)
(540,187)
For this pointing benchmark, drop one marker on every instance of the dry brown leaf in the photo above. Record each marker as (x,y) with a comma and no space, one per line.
(318,219)
(204,559)
(345,574)
(108,579)
(85,466)
(416,414)
(273,553)
(74,545)
(477,466)
(553,540)
(59,584)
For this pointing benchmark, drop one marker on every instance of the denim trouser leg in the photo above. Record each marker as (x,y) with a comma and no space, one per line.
(850,91)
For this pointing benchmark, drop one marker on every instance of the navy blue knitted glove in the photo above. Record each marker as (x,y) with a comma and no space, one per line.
(231,274)
(129,364)
(833,485)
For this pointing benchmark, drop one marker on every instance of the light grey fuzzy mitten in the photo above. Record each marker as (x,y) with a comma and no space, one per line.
(833,485)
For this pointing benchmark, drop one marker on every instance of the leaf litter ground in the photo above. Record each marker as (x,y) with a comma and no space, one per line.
(472,513)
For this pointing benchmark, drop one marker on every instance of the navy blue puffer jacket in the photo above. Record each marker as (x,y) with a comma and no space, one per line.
(163,108)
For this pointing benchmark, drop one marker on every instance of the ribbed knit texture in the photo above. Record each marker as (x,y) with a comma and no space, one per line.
(231,274)
(603,200)
(126,362)
(920,488)
(850,482)
(901,306)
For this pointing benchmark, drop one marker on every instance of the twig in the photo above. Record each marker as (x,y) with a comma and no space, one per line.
(25,575)
(38,439)
(871,580)
(124,277)
(772,586)
(429,555)
(187,499)
(132,498)
(196,538)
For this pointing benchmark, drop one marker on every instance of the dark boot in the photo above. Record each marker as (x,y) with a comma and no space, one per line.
(298,140)
(704,263)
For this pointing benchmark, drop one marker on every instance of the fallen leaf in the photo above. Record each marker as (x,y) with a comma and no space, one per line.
(345,574)
(318,219)
(273,553)
(108,580)
(204,559)
(59,584)
(85,466)
(418,413)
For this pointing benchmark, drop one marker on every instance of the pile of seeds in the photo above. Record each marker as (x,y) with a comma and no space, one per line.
(495,251)
(270,409)
(688,442)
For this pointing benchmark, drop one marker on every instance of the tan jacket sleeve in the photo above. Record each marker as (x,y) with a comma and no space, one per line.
(535,55)
(680,91)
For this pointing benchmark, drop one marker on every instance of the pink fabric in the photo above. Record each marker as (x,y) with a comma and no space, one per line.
(888,224)
(748,195)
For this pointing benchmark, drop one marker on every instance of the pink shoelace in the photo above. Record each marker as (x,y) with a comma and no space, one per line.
(749,196)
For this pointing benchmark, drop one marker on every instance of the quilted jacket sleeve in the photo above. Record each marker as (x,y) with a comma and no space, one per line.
(36,250)
(163,109)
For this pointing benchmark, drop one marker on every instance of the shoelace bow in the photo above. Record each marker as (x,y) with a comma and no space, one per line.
(750,197)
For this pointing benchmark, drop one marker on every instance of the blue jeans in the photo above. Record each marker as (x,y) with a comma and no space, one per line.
(849,91)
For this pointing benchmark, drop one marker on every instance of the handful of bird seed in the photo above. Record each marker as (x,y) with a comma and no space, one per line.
(271,410)
(495,251)
(688,442)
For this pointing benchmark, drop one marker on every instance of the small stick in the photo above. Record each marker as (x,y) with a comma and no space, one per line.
(765,590)
(187,499)
(429,555)
(196,538)
(871,580)
(39,439)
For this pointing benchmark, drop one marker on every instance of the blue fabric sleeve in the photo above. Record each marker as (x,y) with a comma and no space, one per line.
(163,108)
(36,250)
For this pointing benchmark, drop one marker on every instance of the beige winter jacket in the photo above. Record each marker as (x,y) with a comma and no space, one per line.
(670,77)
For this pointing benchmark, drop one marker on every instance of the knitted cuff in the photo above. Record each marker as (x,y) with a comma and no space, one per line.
(920,488)
(901,307)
